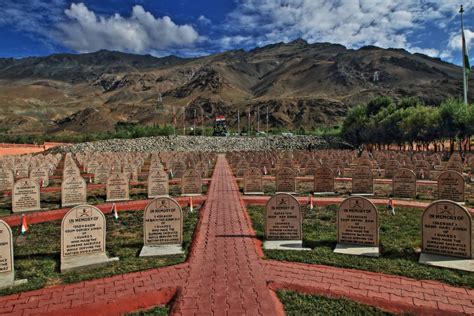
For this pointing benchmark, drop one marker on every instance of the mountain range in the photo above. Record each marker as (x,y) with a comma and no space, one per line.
(301,85)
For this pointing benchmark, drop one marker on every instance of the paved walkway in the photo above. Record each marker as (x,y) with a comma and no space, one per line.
(226,275)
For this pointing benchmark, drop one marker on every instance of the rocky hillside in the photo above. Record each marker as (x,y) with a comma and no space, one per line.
(301,84)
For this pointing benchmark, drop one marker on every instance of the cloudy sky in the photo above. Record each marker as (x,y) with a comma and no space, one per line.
(200,27)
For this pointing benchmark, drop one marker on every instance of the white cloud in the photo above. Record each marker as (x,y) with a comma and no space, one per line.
(384,23)
(455,45)
(84,31)
(204,20)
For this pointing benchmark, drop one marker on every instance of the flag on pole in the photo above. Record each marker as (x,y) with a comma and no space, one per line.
(311,203)
(391,206)
(114,210)
(191,208)
(24,224)
(467,65)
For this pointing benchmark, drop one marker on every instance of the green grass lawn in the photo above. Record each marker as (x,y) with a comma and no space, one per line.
(304,304)
(400,238)
(37,254)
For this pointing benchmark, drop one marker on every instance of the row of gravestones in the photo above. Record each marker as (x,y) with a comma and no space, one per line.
(26,192)
(304,163)
(38,170)
(176,164)
(451,184)
(446,229)
(83,236)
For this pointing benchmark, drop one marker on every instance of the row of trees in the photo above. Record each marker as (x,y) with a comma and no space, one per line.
(383,122)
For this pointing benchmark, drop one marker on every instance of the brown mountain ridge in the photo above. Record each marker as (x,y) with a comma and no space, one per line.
(301,84)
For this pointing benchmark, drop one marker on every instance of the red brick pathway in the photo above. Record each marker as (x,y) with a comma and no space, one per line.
(226,275)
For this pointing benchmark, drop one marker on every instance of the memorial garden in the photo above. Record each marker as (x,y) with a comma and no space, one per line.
(376,232)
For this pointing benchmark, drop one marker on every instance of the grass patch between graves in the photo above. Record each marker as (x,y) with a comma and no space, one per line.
(37,253)
(400,238)
(303,304)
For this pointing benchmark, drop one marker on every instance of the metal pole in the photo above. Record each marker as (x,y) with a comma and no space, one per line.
(194,123)
(238,122)
(464,73)
(174,121)
(184,121)
(248,131)
(202,122)
(267,119)
(258,119)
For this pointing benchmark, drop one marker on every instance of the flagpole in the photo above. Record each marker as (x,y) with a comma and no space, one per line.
(238,122)
(464,72)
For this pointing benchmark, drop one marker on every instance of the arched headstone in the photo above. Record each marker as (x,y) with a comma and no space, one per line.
(362,181)
(285,180)
(158,185)
(283,223)
(83,232)
(73,191)
(162,228)
(323,181)
(191,184)
(253,181)
(447,237)
(451,186)
(404,183)
(7,267)
(357,227)
(117,187)
(25,196)
(6,179)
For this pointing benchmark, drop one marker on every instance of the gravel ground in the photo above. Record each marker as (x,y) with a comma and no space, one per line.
(219,144)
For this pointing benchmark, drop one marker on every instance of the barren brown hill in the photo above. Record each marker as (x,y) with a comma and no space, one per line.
(301,84)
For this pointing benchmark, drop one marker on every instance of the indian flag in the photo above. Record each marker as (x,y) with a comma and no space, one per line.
(467,65)
(24,224)
(191,207)
(114,210)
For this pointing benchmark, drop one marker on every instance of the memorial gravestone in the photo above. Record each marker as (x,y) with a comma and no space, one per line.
(178,169)
(285,181)
(7,267)
(22,170)
(101,174)
(158,184)
(391,166)
(117,188)
(283,223)
(73,191)
(25,196)
(162,228)
(83,232)
(191,184)
(404,184)
(362,181)
(451,186)
(40,176)
(253,181)
(357,228)
(6,180)
(323,181)
(447,239)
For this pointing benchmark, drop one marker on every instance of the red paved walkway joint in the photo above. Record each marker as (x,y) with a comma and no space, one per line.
(226,275)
